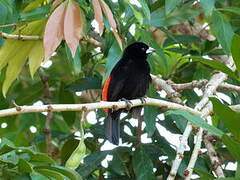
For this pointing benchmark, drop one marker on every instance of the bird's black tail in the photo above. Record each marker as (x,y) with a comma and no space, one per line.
(112,127)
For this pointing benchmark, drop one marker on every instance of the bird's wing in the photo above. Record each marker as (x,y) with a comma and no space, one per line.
(116,81)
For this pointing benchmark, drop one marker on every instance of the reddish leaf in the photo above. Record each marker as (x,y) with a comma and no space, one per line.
(98,15)
(73,26)
(109,15)
(111,21)
(53,34)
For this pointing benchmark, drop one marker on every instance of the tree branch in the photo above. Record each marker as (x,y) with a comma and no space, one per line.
(162,84)
(24,37)
(8,25)
(47,100)
(92,106)
(216,165)
(19,36)
(202,83)
(211,88)
(139,131)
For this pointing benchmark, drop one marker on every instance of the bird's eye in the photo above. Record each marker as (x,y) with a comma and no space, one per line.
(143,49)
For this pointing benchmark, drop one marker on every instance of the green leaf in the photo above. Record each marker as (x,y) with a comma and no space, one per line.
(77,156)
(159,18)
(204,175)
(237,174)
(5,141)
(114,55)
(15,52)
(230,118)
(38,176)
(147,38)
(30,94)
(170,5)
(197,121)
(71,174)
(35,14)
(68,147)
(6,148)
(235,50)
(91,163)
(33,4)
(223,30)
(66,97)
(215,65)
(228,178)
(145,10)
(150,113)
(7,4)
(85,84)
(142,165)
(183,39)
(50,173)
(15,65)
(3,14)
(10,158)
(233,9)
(24,166)
(208,5)
(233,146)
(74,62)
(36,56)
(42,157)
(136,13)
(119,161)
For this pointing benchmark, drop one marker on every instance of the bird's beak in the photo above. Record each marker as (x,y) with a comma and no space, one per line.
(150,50)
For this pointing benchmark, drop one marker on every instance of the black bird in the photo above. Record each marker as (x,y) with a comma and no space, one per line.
(128,80)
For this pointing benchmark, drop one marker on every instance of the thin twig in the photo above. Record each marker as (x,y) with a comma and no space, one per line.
(139,131)
(216,165)
(47,100)
(202,83)
(19,36)
(162,84)
(25,37)
(7,25)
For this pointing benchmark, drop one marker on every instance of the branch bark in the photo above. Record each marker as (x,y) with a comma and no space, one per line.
(92,106)
(24,37)
(202,83)
(19,36)
(47,100)
(204,104)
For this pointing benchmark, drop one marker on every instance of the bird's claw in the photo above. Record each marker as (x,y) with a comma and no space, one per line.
(143,100)
(128,103)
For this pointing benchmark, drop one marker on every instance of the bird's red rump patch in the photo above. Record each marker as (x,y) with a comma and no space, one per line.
(105,91)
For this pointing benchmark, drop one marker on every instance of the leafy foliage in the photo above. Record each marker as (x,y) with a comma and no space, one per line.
(78,43)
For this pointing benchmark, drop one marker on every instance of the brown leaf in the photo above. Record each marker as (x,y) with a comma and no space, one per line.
(109,15)
(73,26)
(98,15)
(53,34)
(107,11)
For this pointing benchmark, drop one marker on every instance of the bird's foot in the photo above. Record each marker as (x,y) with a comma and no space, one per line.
(143,100)
(128,103)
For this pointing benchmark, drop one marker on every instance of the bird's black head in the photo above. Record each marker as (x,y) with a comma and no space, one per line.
(137,50)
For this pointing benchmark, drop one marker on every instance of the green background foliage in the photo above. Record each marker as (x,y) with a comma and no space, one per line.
(182,55)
